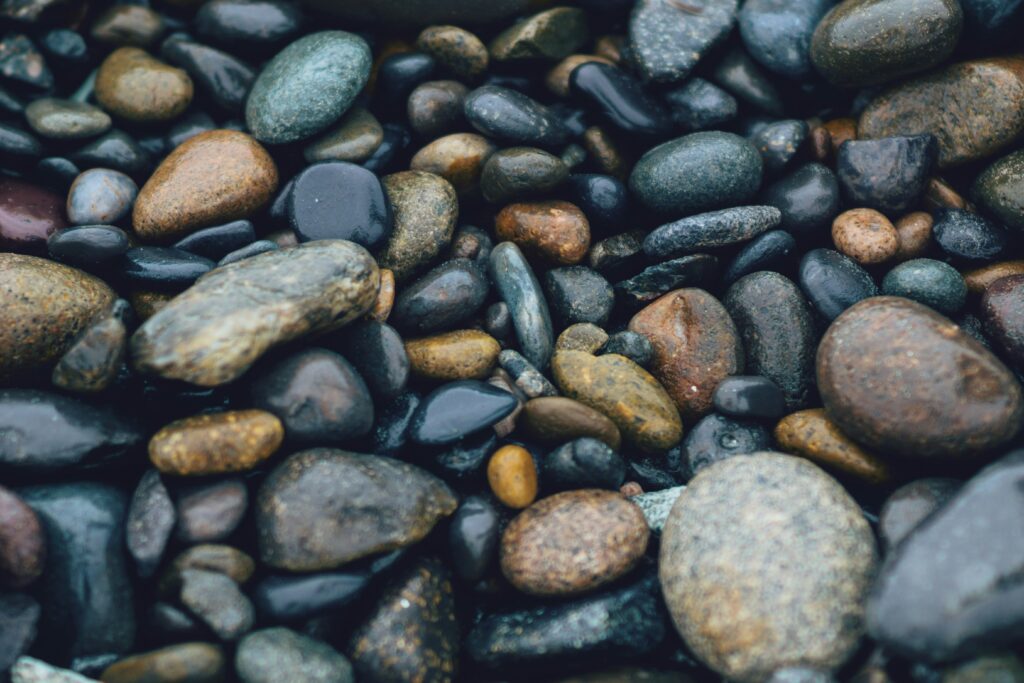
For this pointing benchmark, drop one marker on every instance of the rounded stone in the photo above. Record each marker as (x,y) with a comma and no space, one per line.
(866,236)
(777,33)
(461,354)
(584,463)
(555,230)
(573,542)
(557,419)
(100,196)
(1002,311)
(512,476)
(968,237)
(915,235)
(810,434)
(833,282)
(434,108)
(280,654)
(134,86)
(216,443)
(749,396)
(930,282)
(905,380)
(509,116)
(338,200)
(711,230)
(66,119)
(455,49)
(445,296)
(22,542)
(730,587)
(979,279)
(135,25)
(577,294)
(808,199)
(519,172)
(191,662)
(459,409)
(888,174)
(95,359)
(716,438)
(248,25)
(458,158)
(999,190)
(425,209)
(307,86)
(356,137)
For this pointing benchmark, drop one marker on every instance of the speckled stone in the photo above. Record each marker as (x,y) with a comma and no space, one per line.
(927,281)
(22,544)
(512,476)
(577,294)
(968,237)
(585,337)
(215,443)
(66,119)
(833,282)
(412,634)
(322,508)
(92,362)
(150,521)
(307,86)
(573,542)
(624,392)
(458,158)
(425,209)
(455,49)
(730,168)
(971,108)
(528,379)
(187,662)
(519,172)
(915,235)
(552,34)
(905,380)
(557,419)
(356,136)
(218,602)
(656,506)
(729,586)
(888,174)
(554,230)
(46,306)
(911,504)
(865,42)
(668,39)
(213,178)
(461,354)
(777,33)
(810,434)
(866,236)
(509,116)
(1002,312)
(704,231)
(280,654)
(136,87)
(999,190)
(100,196)
(317,286)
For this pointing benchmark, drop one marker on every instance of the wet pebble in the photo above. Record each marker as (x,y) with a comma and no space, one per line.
(473,537)
(355,138)
(94,359)
(551,35)
(222,77)
(517,286)
(445,296)
(710,230)
(866,236)
(512,117)
(458,158)
(749,396)
(716,438)
(911,504)
(211,511)
(512,476)
(339,201)
(833,282)
(150,521)
(779,143)
(459,409)
(216,443)
(29,214)
(777,33)
(163,268)
(583,463)
(134,86)
(218,241)
(699,104)
(22,547)
(519,172)
(621,100)
(669,40)
(557,419)
(66,119)
(456,50)
(888,174)
(999,187)
(461,354)
(808,199)
(528,379)
(425,210)
(1002,311)
(927,281)
(810,434)
(968,237)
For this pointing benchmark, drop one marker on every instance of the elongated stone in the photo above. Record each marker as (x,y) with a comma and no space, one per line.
(518,287)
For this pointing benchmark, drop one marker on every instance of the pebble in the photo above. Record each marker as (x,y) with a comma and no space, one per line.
(29,214)
(337,200)
(211,512)
(458,409)
(458,158)
(584,463)
(557,231)
(550,35)
(163,268)
(1002,312)
(998,189)
(216,443)
(577,294)
(19,144)
(115,150)
(442,298)
(95,359)
(258,26)
(519,172)
(322,508)
(281,654)
(927,281)
(915,235)
(19,615)
(397,75)
(770,251)
(290,597)
(100,196)
(460,354)
(307,86)
(716,438)
(557,419)
(31,670)
(866,236)
(213,178)
(425,209)
(222,559)
(517,286)
(66,119)
(379,356)
(968,237)
(982,120)
(740,75)
(604,199)
(930,601)
(729,166)
(749,396)
(435,108)
(711,230)
(509,116)
(456,50)
(621,100)
(777,33)
(582,337)
(329,283)
(888,174)
(134,86)
(355,138)
(219,75)
(150,521)
(622,390)
(654,281)
(473,537)
(189,662)
(133,25)
(813,617)
(22,545)
(979,279)
(911,504)
(698,104)
(218,241)
(941,394)
(779,143)
(873,41)
(696,346)
(217,601)
(668,41)
(512,476)
(808,199)
(810,434)
(833,282)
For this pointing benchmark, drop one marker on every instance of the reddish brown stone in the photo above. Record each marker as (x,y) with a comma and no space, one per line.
(811,434)
(557,419)
(28,215)
(866,236)
(557,231)
(603,150)
(22,542)
(979,279)
(132,85)
(914,234)
(1002,311)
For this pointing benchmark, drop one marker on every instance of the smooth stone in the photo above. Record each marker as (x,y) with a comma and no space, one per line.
(291,597)
(603,198)
(357,135)
(808,199)
(749,396)
(160,268)
(29,214)
(624,392)
(771,251)
(910,505)
(66,119)
(22,552)
(449,356)
(195,336)
(717,438)
(696,346)
(136,87)
(980,279)
(212,178)
(150,521)
(378,354)
(621,624)
(458,158)
(866,236)
(115,150)
(741,76)
(944,396)
(968,237)
(459,409)
(253,249)
(584,463)
(225,79)
(519,172)
(1002,312)
(550,35)
(577,294)
(931,601)
(517,286)
(186,662)
(307,86)
(661,278)
(336,200)
(813,617)
(464,464)
(999,188)
(49,431)
(632,345)
(281,654)
(557,79)
(31,670)
(184,130)
(216,443)
(134,25)
(555,231)
(322,508)
(557,419)
(56,172)
(810,434)
(777,33)
(971,108)
(86,594)
(585,337)
(211,512)
(217,601)
(621,100)
(512,476)
(927,281)
(425,209)
(456,50)
(434,108)
(527,378)
(95,359)
(888,174)
(248,25)
(473,538)
(442,298)
(397,76)
(223,559)
(396,140)
(779,143)
(729,166)
(698,104)
(711,230)
(668,40)
(100,196)
(833,282)
(19,615)
(618,256)
(218,241)
(509,116)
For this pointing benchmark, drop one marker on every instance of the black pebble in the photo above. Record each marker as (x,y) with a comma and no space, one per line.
(88,246)
(968,237)
(399,75)
(769,251)
(583,464)
(602,198)
(339,200)
(163,267)
(833,282)
(621,99)
(632,345)
(577,294)
(218,241)
(717,437)
(448,294)
(749,397)
(473,538)
(459,409)
(808,199)
(887,174)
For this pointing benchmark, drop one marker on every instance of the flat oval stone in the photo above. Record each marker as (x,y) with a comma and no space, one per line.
(307,86)
(557,419)
(116,150)
(808,199)
(29,214)
(866,236)
(66,119)
(573,542)
(865,42)
(668,40)
(216,443)
(624,392)
(149,523)
(22,543)
(163,268)
(999,188)
(888,174)
(729,166)
(218,241)
(971,108)
(455,49)
(458,158)
(47,305)
(927,281)
(777,33)
(95,359)
(603,198)
(248,25)
(101,196)
(710,230)
(337,200)
(911,504)
(943,394)
(210,511)
(267,300)
(518,287)
(555,230)
(212,178)
(519,172)
(510,116)
(1002,311)
(810,434)
(322,508)
(461,354)
(134,86)
(459,409)
(444,297)
(425,209)
(192,662)
(473,537)
(281,654)
(696,346)
(217,602)
(356,136)
(833,282)
(968,237)
(721,575)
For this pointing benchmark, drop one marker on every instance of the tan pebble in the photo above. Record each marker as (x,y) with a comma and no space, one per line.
(610,47)
(385,297)
(866,236)
(132,85)
(462,354)
(557,419)
(557,80)
(512,476)
(940,195)
(914,232)
(811,434)
(585,337)
(458,158)
(557,231)
(232,441)
(979,279)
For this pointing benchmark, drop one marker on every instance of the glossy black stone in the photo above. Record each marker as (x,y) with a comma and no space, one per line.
(620,99)
(700,105)
(473,538)
(833,282)
(116,150)
(277,211)
(577,294)
(258,26)
(464,464)
(254,249)
(808,199)
(740,75)
(218,241)
(779,143)
(770,251)
(716,438)
(396,139)
(56,172)
(749,397)
(391,431)
(288,598)
(163,267)
(887,174)
(700,270)
(339,200)
(583,464)
(399,75)
(225,79)
(968,237)
(459,409)
(445,296)
(632,345)
(512,117)
(88,247)
(603,198)
(19,145)
(378,353)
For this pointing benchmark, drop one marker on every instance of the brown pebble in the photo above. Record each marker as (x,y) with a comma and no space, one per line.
(223,559)
(604,152)
(557,419)
(557,80)
(866,236)
(512,476)
(809,433)
(458,158)
(586,337)
(461,354)
(385,297)
(455,49)
(145,304)
(133,25)
(132,85)
(555,230)
(839,131)
(212,178)
(979,279)
(233,441)
(573,542)
(22,542)
(914,234)
(181,663)
(939,195)
(821,144)
(284,238)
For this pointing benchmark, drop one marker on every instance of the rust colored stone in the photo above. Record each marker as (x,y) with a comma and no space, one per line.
(462,354)
(839,131)
(811,434)
(458,158)
(385,297)
(603,150)
(184,662)
(132,85)
(556,231)
(233,441)
(914,234)
(610,47)
(1002,311)
(22,542)
(979,279)
(28,215)
(866,236)
(557,420)
(939,195)
(512,476)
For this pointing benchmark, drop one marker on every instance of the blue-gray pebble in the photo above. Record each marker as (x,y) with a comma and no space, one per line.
(100,196)
(930,282)
(777,33)
(510,116)
(518,287)
(709,230)
(667,40)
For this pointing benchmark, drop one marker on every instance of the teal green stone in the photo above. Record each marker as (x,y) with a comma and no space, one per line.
(927,281)
(999,190)
(307,87)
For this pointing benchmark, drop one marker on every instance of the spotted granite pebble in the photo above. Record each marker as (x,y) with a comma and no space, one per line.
(233,441)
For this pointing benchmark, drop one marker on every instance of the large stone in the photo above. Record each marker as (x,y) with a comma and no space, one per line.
(425,210)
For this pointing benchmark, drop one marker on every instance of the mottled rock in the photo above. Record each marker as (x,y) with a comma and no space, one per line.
(66,119)
(577,294)
(583,464)
(217,601)
(999,188)
(555,230)
(888,174)
(151,519)
(915,235)
(458,158)
(968,237)
(866,236)
(455,49)
(425,209)
(517,286)
(356,136)
(551,35)
(520,172)
(216,443)
(927,281)
(134,86)
(668,39)
(442,298)
(1002,312)
(22,548)
(462,354)
(29,214)
(280,654)
(509,116)
(704,231)
(716,438)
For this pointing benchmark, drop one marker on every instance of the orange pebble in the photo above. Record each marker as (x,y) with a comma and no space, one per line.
(513,476)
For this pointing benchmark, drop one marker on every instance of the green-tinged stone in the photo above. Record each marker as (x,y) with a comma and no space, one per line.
(65,119)
(552,35)
(425,209)
(1000,189)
